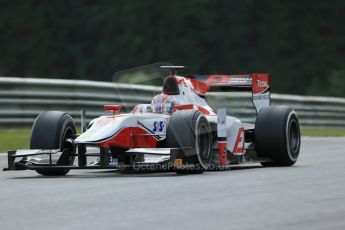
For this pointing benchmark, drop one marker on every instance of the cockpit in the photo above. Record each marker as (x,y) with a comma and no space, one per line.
(176,90)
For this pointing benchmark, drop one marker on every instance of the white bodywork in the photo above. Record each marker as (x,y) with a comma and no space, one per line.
(105,127)
(153,119)
(234,133)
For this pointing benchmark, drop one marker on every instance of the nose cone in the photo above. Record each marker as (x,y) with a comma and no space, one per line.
(104,128)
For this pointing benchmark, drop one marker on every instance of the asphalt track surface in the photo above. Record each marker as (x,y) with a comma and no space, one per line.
(310,195)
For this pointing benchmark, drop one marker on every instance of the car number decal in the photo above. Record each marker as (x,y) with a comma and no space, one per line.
(158,126)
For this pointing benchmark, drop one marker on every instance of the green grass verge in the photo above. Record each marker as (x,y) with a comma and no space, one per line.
(323,132)
(11,139)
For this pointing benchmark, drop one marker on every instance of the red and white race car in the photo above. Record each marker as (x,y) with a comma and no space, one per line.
(178,132)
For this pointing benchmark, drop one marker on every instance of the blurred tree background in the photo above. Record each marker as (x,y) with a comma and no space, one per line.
(301,43)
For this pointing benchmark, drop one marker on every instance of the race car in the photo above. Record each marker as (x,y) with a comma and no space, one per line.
(178,131)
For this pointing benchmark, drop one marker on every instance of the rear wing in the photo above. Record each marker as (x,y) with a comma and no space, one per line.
(257,83)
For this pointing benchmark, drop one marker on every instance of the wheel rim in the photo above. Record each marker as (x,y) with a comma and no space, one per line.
(203,140)
(203,144)
(294,137)
(67,134)
(67,156)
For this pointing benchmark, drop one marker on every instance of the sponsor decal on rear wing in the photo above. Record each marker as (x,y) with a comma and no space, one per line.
(257,83)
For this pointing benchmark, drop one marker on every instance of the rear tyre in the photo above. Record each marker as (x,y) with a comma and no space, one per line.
(54,130)
(277,135)
(190,129)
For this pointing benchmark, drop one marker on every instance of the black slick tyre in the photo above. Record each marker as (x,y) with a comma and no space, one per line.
(54,130)
(277,135)
(190,131)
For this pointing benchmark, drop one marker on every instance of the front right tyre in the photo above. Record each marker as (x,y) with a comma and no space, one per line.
(55,130)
